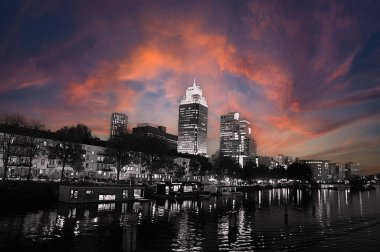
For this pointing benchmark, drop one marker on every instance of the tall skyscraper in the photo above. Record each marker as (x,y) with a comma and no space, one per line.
(236,138)
(118,124)
(192,122)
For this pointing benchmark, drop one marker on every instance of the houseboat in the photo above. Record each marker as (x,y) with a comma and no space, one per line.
(335,186)
(226,190)
(208,190)
(178,189)
(87,194)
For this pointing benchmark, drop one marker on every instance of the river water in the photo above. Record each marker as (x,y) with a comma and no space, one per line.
(320,220)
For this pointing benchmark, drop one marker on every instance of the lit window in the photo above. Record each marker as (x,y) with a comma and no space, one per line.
(125,194)
(107,197)
(73,194)
(137,193)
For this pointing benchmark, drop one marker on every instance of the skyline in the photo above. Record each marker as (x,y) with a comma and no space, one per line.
(306,74)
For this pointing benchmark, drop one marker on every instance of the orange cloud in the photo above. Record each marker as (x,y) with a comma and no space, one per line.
(341,70)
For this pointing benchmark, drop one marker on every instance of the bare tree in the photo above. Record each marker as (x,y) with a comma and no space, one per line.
(66,148)
(32,145)
(118,152)
(8,140)
(154,154)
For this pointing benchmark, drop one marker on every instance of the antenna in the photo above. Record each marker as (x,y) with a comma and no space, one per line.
(194,84)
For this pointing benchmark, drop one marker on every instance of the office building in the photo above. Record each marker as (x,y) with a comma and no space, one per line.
(152,130)
(119,123)
(236,139)
(192,122)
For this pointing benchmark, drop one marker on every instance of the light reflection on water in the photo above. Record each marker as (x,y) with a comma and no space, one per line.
(323,219)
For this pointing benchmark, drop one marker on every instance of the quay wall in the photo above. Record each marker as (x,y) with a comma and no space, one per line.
(28,191)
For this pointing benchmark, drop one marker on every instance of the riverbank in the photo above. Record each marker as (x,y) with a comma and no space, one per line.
(19,192)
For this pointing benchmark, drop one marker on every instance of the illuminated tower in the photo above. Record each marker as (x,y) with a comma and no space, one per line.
(236,138)
(192,122)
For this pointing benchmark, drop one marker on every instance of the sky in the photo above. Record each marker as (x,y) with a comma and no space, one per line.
(306,74)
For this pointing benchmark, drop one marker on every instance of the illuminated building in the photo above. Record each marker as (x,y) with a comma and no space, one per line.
(192,122)
(283,161)
(151,130)
(319,169)
(118,124)
(236,139)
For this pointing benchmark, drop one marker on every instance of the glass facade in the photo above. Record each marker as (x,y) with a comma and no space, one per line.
(236,139)
(192,122)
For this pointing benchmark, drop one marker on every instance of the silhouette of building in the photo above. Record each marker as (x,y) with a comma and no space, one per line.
(236,139)
(151,130)
(119,123)
(319,169)
(267,161)
(336,172)
(192,122)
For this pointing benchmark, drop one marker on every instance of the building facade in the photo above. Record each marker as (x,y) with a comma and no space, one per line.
(352,169)
(266,161)
(119,124)
(319,169)
(94,161)
(192,122)
(236,139)
(151,130)
(336,172)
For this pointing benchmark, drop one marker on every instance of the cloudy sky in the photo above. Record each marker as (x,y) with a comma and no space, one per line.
(305,73)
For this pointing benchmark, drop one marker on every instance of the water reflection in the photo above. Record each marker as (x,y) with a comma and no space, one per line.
(277,219)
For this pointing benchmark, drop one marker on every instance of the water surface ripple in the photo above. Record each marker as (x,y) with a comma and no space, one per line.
(317,220)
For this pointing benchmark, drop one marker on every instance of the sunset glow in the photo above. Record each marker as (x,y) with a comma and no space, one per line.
(306,74)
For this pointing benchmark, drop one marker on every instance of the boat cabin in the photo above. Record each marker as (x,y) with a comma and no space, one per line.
(228,190)
(85,194)
(173,188)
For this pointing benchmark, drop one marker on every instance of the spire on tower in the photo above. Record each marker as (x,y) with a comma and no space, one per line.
(194,84)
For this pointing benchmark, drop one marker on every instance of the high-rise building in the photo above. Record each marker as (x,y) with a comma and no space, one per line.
(192,122)
(151,130)
(236,138)
(118,124)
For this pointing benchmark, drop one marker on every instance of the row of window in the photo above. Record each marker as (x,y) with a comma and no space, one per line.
(51,162)
(137,193)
